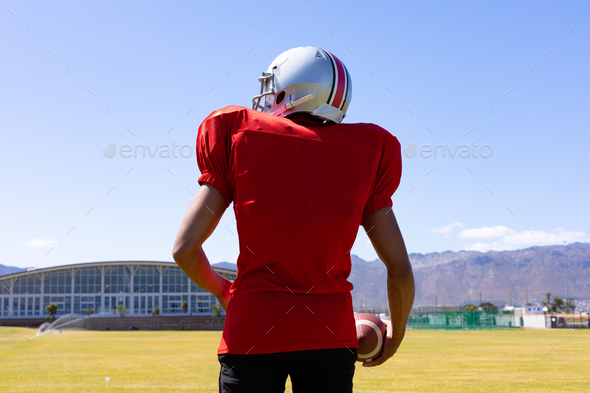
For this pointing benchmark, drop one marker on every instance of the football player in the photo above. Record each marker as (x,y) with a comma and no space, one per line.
(301,183)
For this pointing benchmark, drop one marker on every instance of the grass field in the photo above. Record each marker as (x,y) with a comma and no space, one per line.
(181,361)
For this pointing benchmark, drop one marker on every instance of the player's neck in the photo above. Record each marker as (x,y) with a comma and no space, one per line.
(306,117)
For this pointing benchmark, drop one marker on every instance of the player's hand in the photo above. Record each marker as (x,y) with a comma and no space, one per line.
(390,347)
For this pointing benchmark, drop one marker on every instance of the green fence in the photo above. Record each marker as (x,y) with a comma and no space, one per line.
(464,320)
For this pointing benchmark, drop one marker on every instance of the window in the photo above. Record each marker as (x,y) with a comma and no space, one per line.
(58,282)
(117,279)
(97,306)
(29,284)
(83,303)
(174,280)
(30,306)
(4,287)
(173,303)
(201,304)
(88,280)
(195,288)
(146,280)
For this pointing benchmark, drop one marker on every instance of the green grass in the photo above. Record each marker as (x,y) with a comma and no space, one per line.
(181,361)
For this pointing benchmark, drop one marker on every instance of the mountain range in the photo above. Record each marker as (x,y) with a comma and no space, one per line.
(455,278)
(9,269)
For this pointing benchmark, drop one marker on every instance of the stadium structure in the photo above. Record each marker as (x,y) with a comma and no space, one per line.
(139,286)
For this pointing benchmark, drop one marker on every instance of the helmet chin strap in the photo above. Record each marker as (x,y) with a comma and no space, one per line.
(292,104)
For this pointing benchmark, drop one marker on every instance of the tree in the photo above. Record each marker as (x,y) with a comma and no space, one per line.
(547,303)
(570,307)
(156,311)
(558,304)
(470,307)
(121,310)
(216,310)
(487,306)
(90,311)
(184,306)
(51,310)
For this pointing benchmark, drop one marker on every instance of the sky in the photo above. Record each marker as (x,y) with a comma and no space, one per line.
(500,88)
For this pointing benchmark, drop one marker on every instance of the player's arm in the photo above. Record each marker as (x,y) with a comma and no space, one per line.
(198,224)
(388,242)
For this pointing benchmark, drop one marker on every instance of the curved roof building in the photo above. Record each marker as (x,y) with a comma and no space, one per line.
(139,286)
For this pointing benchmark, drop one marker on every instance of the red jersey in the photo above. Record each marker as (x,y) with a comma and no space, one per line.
(300,192)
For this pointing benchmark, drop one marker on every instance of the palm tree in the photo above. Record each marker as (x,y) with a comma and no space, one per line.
(121,309)
(90,311)
(155,313)
(216,310)
(51,310)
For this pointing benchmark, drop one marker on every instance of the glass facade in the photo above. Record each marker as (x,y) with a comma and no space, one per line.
(117,279)
(146,280)
(75,290)
(174,280)
(88,280)
(27,284)
(58,282)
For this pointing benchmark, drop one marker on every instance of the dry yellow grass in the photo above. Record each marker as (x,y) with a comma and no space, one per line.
(181,361)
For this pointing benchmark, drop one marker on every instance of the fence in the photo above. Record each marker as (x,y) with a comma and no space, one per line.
(464,320)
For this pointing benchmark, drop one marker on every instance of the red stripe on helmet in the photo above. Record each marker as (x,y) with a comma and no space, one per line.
(341,87)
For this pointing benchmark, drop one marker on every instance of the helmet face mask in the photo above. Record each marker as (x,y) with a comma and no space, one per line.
(266,91)
(305,79)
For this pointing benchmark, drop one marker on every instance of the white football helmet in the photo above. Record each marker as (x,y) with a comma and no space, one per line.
(305,79)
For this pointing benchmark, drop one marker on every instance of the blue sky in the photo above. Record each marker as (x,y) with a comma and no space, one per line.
(77,77)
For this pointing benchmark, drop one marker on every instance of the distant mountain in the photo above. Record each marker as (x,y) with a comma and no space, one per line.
(9,269)
(450,278)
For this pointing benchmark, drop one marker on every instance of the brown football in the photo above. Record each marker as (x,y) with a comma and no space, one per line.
(370,333)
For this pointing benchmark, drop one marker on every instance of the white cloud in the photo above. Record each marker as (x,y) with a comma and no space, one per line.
(517,240)
(447,228)
(36,243)
(482,247)
(486,232)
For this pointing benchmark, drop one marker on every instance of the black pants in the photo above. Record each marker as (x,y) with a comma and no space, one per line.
(319,370)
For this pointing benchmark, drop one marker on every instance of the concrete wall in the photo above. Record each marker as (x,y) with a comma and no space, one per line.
(535,321)
(194,322)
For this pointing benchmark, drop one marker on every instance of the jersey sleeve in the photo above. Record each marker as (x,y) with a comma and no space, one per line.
(214,152)
(388,178)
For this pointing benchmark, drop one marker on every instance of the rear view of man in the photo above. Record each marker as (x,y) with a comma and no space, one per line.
(301,183)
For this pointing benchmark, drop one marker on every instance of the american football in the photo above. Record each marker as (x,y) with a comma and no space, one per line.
(370,333)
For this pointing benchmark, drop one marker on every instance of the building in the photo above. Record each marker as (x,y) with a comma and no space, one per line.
(102,286)
(534,310)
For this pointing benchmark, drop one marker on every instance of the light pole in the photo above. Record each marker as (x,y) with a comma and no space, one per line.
(468,289)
